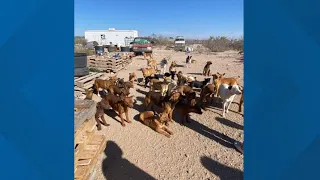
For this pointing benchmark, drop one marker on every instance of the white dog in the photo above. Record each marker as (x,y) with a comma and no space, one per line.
(227,93)
(164,64)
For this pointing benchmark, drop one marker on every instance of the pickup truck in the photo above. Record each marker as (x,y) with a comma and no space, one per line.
(141,44)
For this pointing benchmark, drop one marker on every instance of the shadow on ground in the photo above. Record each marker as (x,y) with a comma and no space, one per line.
(212,134)
(229,123)
(195,74)
(115,167)
(222,171)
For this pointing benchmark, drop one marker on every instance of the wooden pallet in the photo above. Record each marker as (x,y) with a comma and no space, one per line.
(88,156)
(88,80)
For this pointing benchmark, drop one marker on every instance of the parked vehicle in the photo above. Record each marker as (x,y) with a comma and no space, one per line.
(141,44)
(179,43)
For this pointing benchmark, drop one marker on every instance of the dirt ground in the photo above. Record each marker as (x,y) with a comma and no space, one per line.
(200,150)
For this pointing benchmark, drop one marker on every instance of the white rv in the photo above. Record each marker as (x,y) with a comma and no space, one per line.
(111,36)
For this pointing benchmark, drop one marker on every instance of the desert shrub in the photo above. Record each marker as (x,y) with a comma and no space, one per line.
(161,40)
(89,52)
(80,40)
(221,43)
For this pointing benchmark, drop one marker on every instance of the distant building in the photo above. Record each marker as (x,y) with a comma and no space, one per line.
(111,36)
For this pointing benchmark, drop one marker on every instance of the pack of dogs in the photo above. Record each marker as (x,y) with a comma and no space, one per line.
(167,94)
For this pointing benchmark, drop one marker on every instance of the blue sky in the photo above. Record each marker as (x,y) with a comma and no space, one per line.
(192,19)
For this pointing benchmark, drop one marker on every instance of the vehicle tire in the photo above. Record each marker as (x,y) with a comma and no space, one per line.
(81,71)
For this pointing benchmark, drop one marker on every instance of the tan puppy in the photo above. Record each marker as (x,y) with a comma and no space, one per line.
(156,122)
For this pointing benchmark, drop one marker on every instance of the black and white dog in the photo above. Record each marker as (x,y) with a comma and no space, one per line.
(199,84)
(148,78)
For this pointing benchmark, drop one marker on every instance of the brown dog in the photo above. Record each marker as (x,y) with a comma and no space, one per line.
(147,54)
(205,94)
(184,89)
(113,89)
(152,63)
(185,109)
(167,108)
(182,79)
(89,94)
(133,77)
(146,72)
(155,98)
(206,69)
(101,106)
(163,87)
(155,122)
(104,84)
(120,104)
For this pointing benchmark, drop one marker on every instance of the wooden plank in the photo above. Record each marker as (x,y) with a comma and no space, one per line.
(92,147)
(87,154)
(84,162)
(80,172)
(86,76)
(81,82)
(79,89)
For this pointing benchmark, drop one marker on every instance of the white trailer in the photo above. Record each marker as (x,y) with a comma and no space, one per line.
(110,36)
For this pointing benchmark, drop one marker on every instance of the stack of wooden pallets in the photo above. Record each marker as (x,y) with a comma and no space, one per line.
(106,64)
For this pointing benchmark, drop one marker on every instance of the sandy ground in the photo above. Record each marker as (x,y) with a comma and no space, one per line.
(200,150)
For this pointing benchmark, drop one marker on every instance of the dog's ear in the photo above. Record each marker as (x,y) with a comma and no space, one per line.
(230,87)
(223,74)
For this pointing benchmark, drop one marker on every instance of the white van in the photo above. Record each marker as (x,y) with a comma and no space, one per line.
(179,43)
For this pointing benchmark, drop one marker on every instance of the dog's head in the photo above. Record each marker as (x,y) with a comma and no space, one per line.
(113,78)
(235,89)
(174,97)
(217,76)
(163,117)
(166,106)
(133,77)
(195,109)
(128,101)
(164,89)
